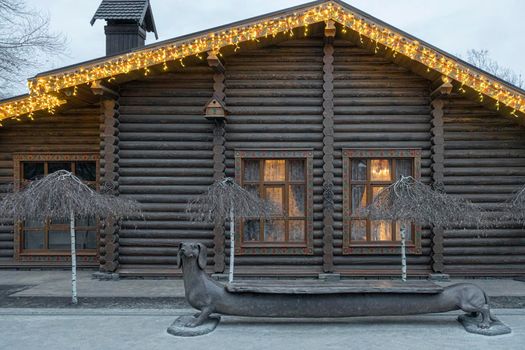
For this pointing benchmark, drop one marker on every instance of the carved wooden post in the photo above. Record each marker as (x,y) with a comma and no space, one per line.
(328,148)
(219,166)
(109,177)
(438,167)
(109,172)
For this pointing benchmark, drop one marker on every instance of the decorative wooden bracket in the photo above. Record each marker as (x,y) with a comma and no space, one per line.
(101,90)
(444,89)
(329,31)
(215,63)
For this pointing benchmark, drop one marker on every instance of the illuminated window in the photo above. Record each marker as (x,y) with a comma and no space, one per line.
(283,178)
(366,174)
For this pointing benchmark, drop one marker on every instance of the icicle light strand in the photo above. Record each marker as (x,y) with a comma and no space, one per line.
(42,88)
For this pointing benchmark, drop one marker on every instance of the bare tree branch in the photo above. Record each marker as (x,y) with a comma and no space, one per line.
(411,200)
(482,59)
(223,196)
(26,42)
(60,193)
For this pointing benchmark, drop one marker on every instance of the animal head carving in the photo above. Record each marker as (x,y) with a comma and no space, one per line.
(192,250)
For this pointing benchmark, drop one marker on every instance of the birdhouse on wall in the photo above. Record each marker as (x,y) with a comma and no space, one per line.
(215,109)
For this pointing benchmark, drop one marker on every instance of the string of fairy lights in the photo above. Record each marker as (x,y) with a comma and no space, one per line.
(43,90)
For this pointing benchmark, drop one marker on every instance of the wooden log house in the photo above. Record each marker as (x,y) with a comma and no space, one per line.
(315,107)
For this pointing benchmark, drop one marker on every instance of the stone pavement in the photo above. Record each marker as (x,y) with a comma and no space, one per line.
(29,329)
(35,313)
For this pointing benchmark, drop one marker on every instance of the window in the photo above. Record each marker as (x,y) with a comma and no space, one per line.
(50,240)
(365,174)
(285,179)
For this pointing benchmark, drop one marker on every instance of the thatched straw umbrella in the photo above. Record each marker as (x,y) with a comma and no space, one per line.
(411,200)
(62,195)
(226,199)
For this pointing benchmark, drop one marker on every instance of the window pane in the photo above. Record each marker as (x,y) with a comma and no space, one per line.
(274,231)
(60,221)
(376,190)
(56,166)
(408,230)
(33,170)
(252,229)
(275,196)
(59,240)
(380,170)
(86,222)
(358,198)
(381,230)
(251,170)
(403,168)
(297,170)
(296,200)
(86,171)
(296,231)
(359,169)
(32,223)
(274,170)
(253,189)
(86,239)
(34,240)
(358,232)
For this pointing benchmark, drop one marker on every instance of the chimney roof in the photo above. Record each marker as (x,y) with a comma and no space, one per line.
(127,10)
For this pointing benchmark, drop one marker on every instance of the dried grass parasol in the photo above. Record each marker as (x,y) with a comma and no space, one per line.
(226,199)
(411,200)
(62,195)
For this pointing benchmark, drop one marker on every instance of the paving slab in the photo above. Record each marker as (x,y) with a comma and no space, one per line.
(83,331)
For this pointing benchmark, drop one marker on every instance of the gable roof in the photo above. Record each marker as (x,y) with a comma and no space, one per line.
(387,39)
(127,10)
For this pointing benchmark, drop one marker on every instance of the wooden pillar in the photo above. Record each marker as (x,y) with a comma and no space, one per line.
(219,158)
(328,148)
(109,180)
(438,168)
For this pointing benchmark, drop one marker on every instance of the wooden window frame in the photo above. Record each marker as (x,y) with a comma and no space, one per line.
(379,247)
(85,256)
(278,248)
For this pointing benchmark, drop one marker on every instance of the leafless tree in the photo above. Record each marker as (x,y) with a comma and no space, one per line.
(482,59)
(411,200)
(61,195)
(26,42)
(226,199)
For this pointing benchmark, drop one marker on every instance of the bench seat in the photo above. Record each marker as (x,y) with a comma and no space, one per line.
(339,287)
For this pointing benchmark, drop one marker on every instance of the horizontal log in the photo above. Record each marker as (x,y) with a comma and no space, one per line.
(484,259)
(163,181)
(154,172)
(172,235)
(165,155)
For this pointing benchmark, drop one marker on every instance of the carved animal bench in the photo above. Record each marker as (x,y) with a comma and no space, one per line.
(304,299)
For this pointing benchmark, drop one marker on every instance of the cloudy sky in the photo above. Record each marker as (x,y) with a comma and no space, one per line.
(452,25)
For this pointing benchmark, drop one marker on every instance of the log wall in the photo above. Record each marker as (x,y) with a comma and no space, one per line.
(69,132)
(279,97)
(484,162)
(166,158)
(275,98)
(377,105)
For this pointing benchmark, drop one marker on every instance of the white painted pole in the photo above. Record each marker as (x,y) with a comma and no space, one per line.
(403,255)
(232,244)
(74,299)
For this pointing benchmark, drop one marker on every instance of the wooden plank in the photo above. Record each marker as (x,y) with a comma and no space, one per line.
(340,287)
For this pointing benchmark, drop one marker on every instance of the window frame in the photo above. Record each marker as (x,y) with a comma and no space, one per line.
(85,256)
(376,247)
(277,248)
